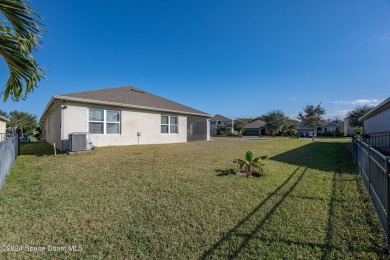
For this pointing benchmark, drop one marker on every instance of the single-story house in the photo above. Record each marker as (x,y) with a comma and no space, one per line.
(323,129)
(3,127)
(376,124)
(304,130)
(221,125)
(330,127)
(122,116)
(256,128)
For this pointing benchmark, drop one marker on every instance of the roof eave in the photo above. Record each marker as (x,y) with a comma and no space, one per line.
(91,101)
(4,118)
(382,106)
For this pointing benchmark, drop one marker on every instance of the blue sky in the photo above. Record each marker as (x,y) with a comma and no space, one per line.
(229,57)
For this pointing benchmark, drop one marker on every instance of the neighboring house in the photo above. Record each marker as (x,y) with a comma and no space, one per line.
(376,124)
(348,130)
(377,120)
(3,127)
(256,128)
(122,116)
(221,125)
(304,130)
(323,129)
(329,127)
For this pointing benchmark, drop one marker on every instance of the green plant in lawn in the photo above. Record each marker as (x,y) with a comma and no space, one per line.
(250,163)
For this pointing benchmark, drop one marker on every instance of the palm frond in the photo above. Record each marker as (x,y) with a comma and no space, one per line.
(17,42)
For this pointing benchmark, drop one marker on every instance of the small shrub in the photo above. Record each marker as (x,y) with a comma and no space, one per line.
(250,163)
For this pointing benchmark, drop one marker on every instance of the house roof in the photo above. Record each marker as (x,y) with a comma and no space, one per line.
(220,118)
(256,124)
(330,123)
(2,118)
(130,97)
(376,110)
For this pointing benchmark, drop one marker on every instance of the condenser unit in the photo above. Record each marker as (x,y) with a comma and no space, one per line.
(80,142)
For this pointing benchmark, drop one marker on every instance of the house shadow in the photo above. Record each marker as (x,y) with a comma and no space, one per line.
(37,149)
(323,156)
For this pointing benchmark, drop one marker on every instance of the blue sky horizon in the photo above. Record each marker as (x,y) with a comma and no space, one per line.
(235,58)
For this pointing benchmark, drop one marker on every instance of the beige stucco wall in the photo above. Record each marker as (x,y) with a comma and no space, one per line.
(52,127)
(378,123)
(2,130)
(75,119)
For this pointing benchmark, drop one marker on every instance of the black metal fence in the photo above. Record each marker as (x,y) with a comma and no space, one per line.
(380,141)
(8,153)
(374,168)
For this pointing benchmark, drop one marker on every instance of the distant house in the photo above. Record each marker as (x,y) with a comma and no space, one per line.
(329,127)
(377,120)
(323,129)
(348,130)
(256,128)
(122,116)
(304,130)
(3,127)
(220,125)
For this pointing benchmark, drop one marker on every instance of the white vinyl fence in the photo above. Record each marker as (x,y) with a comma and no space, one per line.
(8,153)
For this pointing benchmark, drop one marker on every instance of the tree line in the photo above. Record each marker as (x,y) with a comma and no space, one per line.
(21,120)
(312,116)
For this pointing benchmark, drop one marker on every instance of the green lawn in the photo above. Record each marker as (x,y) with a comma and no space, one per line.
(182,201)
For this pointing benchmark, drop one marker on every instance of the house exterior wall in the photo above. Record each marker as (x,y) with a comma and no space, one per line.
(331,128)
(52,128)
(74,117)
(378,123)
(3,125)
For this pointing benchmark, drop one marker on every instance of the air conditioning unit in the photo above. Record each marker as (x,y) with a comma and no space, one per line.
(80,141)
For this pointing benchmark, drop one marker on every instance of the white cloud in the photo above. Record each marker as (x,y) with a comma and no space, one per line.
(359,102)
(383,37)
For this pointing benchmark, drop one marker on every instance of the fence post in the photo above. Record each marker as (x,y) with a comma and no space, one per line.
(369,170)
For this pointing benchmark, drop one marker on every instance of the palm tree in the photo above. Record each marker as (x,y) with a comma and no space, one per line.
(19,38)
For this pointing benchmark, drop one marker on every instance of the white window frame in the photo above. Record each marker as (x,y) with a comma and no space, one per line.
(105,122)
(169,125)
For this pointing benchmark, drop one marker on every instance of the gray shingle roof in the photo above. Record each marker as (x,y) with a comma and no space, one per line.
(256,124)
(132,97)
(220,118)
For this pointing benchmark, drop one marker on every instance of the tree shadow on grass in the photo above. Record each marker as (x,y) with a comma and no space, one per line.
(323,156)
(37,149)
(235,232)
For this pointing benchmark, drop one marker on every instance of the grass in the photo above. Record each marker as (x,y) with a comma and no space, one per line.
(181,201)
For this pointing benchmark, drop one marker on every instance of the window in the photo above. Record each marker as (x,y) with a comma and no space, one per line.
(213,122)
(169,125)
(104,121)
